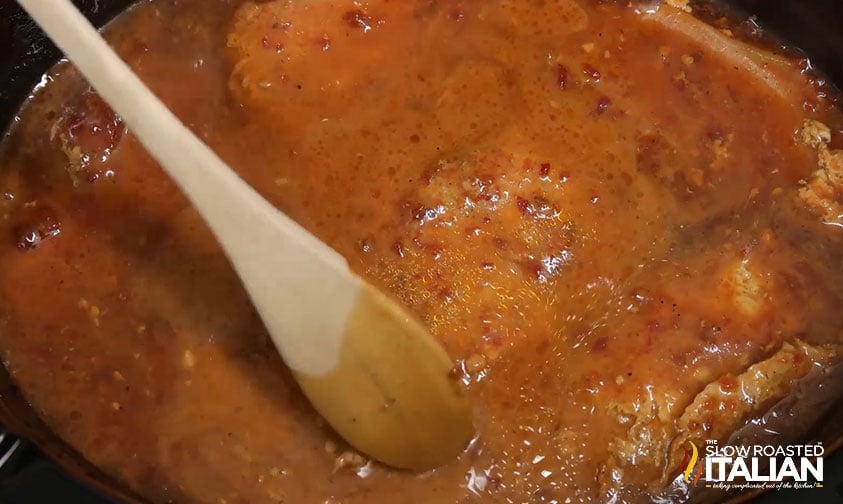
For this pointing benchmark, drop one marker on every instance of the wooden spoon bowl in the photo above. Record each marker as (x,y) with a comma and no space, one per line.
(378,378)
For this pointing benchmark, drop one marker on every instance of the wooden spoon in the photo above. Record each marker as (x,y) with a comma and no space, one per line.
(372,371)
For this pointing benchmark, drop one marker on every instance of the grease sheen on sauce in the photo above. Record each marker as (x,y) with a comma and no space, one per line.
(595,215)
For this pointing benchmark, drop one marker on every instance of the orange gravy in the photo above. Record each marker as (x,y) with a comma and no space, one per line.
(596,214)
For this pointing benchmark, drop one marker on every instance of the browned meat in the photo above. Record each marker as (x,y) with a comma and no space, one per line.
(822,193)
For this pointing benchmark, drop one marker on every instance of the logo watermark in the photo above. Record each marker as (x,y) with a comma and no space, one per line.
(744,467)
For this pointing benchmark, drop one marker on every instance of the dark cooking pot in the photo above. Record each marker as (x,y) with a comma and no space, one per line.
(813,25)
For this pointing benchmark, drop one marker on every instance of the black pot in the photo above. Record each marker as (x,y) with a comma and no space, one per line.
(815,26)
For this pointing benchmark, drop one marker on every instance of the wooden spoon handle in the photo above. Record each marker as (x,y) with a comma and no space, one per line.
(284,276)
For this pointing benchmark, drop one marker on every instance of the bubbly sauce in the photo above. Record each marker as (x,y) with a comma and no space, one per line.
(596,209)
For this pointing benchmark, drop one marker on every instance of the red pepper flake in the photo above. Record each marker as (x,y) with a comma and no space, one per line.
(537,270)
(591,73)
(457,371)
(457,14)
(358,19)
(266,44)
(487,266)
(37,224)
(494,197)
(96,175)
(433,250)
(427,175)
(415,139)
(492,337)
(544,170)
(487,220)
(561,77)
(600,345)
(398,248)
(602,104)
(324,43)
(525,206)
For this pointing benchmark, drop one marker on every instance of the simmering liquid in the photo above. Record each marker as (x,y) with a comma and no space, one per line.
(621,222)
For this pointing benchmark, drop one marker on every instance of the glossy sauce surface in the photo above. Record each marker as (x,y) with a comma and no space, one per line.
(598,215)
